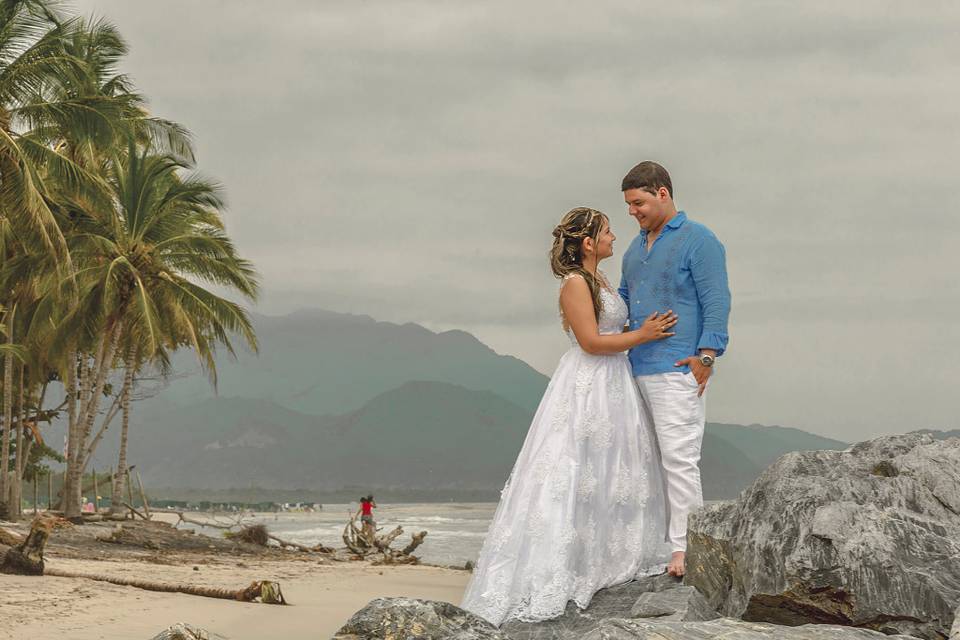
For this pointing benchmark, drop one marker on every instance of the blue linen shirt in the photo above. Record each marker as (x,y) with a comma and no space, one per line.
(685,270)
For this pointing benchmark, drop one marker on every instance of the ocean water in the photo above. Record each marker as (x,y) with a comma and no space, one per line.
(455,531)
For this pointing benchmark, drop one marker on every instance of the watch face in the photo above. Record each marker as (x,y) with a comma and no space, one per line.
(706,360)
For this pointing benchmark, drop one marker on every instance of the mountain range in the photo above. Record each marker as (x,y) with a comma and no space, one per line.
(338,403)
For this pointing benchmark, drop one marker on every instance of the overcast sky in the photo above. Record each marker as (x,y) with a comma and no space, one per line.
(408,160)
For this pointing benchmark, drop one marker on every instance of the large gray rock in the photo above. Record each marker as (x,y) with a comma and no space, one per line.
(183,631)
(613,602)
(725,629)
(868,537)
(682,604)
(405,619)
(410,619)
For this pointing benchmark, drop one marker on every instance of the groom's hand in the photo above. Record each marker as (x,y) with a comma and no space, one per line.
(700,372)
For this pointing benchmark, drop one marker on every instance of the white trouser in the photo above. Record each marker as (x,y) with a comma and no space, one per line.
(678,417)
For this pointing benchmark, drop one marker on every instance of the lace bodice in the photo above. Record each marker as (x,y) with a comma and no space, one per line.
(613,315)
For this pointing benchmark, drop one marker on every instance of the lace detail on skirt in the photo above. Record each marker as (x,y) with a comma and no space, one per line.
(583,508)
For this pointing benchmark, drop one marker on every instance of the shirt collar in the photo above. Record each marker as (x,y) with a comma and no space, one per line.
(674,223)
(677,220)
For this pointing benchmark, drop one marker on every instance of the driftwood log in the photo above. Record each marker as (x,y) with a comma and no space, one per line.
(134,510)
(268,592)
(360,544)
(225,525)
(27,557)
(9,538)
(416,541)
(254,534)
(300,547)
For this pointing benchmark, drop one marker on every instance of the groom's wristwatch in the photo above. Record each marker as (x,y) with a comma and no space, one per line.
(706,360)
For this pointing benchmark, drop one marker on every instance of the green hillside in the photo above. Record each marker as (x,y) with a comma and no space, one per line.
(424,435)
(335,401)
(427,437)
(324,363)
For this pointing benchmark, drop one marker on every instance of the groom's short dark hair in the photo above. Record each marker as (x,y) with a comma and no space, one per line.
(649,176)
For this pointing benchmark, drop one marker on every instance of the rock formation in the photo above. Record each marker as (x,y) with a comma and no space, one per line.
(867,537)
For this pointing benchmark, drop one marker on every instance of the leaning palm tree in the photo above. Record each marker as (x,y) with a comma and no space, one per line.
(74,126)
(32,57)
(142,276)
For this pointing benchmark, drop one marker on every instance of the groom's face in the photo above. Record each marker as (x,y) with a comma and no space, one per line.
(649,209)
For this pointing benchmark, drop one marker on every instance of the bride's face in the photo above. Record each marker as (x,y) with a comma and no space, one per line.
(605,242)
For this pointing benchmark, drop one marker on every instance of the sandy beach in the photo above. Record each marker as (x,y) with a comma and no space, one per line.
(322,593)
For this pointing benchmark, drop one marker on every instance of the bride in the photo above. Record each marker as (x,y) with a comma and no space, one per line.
(583,508)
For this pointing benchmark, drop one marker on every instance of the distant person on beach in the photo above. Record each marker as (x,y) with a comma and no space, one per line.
(584,507)
(367,505)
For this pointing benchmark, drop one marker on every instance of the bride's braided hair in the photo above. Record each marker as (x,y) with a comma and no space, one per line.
(565,255)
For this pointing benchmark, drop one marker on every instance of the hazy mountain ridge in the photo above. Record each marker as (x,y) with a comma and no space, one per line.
(336,400)
(324,363)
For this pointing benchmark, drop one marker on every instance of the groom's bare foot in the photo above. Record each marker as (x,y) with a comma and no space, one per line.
(676,568)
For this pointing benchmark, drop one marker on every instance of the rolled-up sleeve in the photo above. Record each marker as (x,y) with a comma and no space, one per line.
(708,267)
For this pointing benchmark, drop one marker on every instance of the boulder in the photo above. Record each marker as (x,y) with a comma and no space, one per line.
(725,629)
(868,537)
(183,631)
(406,619)
(403,618)
(613,602)
(683,604)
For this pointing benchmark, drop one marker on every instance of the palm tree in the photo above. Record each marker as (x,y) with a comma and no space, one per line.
(140,274)
(32,59)
(85,116)
(108,244)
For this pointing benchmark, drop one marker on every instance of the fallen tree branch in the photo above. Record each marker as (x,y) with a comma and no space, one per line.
(416,541)
(300,547)
(10,538)
(354,539)
(26,559)
(267,591)
(128,506)
(382,543)
(214,524)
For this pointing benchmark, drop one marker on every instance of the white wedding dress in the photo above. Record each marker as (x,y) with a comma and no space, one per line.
(584,507)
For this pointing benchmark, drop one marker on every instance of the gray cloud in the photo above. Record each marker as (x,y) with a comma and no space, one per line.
(408,159)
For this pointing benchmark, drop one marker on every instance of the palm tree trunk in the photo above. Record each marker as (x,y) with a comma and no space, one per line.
(97,378)
(36,423)
(7,413)
(15,506)
(107,419)
(71,387)
(118,483)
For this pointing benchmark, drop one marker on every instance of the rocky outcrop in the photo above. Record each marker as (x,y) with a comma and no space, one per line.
(726,629)
(867,537)
(183,631)
(402,618)
(615,602)
(682,604)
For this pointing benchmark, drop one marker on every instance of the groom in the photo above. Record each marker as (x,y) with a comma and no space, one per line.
(675,263)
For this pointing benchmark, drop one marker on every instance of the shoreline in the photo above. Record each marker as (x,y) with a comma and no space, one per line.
(323,590)
(322,598)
